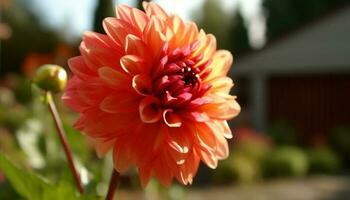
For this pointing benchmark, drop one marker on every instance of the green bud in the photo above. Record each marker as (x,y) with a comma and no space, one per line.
(51,78)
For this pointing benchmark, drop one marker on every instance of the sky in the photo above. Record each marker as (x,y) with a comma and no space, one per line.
(73,17)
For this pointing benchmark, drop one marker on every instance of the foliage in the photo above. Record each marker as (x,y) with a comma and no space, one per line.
(214,20)
(282,133)
(340,141)
(32,186)
(240,168)
(285,161)
(104,8)
(323,160)
(238,35)
(27,35)
(284,16)
(245,162)
(229,29)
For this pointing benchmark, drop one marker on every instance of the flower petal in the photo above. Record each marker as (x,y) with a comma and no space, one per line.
(154,37)
(153,9)
(171,119)
(118,29)
(135,46)
(139,18)
(132,64)
(221,64)
(121,156)
(112,77)
(120,103)
(208,157)
(79,68)
(222,107)
(142,84)
(103,146)
(180,139)
(205,136)
(149,110)
(98,50)
(221,84)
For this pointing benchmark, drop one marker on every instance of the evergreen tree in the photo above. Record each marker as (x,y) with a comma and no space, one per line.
(284,16)
(139,4)
(238,39)
(104,8)
(214,20)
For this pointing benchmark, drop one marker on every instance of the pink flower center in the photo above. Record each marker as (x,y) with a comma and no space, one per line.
(178,79)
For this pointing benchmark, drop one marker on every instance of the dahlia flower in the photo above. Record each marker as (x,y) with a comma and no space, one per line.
(153,90)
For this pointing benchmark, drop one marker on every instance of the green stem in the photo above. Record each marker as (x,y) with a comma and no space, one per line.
(63,140)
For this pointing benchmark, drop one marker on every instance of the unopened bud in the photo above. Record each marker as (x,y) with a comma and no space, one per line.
(51,78)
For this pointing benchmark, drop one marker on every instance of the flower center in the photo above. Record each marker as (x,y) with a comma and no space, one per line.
(178,77)
(190,76)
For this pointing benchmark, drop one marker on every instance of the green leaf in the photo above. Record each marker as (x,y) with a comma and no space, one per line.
(25,183)
(32,186)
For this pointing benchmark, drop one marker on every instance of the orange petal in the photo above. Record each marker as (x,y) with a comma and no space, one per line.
(205,136)
(153,9)
(71,98)
(121,157)
(221,64)
(175,23)
(133,16)
(123,12)
(221,84)
(149,110)
(153,36)
(118,29)
(145,174)
(112,77)
(79,68)
(222,150)
(189,169)
(224,128)
(92,92)
(148,141)
(223,107)
(142,84)
(180,139)
(162,172)
(171,119)
(207,48)
(132,64)
(103,146)
(99,50)
(190,33)
(139,18)
(120,103)
(135,46)
(208,157)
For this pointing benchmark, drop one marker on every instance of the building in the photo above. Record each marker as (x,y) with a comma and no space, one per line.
(303,78)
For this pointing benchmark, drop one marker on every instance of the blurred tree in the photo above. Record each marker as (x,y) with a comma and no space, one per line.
(139,3)
(214,20)
(238,40)
(230,30)
(284,16)
(104,8)
(25,35)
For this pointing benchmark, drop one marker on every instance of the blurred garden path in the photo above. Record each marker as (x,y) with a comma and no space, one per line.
(314,188)
(311,188)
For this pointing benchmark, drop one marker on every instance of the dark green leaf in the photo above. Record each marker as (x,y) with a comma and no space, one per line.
(32,186)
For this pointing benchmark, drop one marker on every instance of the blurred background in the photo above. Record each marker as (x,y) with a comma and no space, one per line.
(292,78)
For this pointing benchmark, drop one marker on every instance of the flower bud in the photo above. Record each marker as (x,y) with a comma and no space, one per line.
(51,78)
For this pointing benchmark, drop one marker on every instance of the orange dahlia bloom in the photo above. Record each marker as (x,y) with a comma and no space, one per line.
(155,91)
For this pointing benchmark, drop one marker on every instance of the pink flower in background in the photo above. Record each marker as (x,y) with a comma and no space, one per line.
(153,90)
